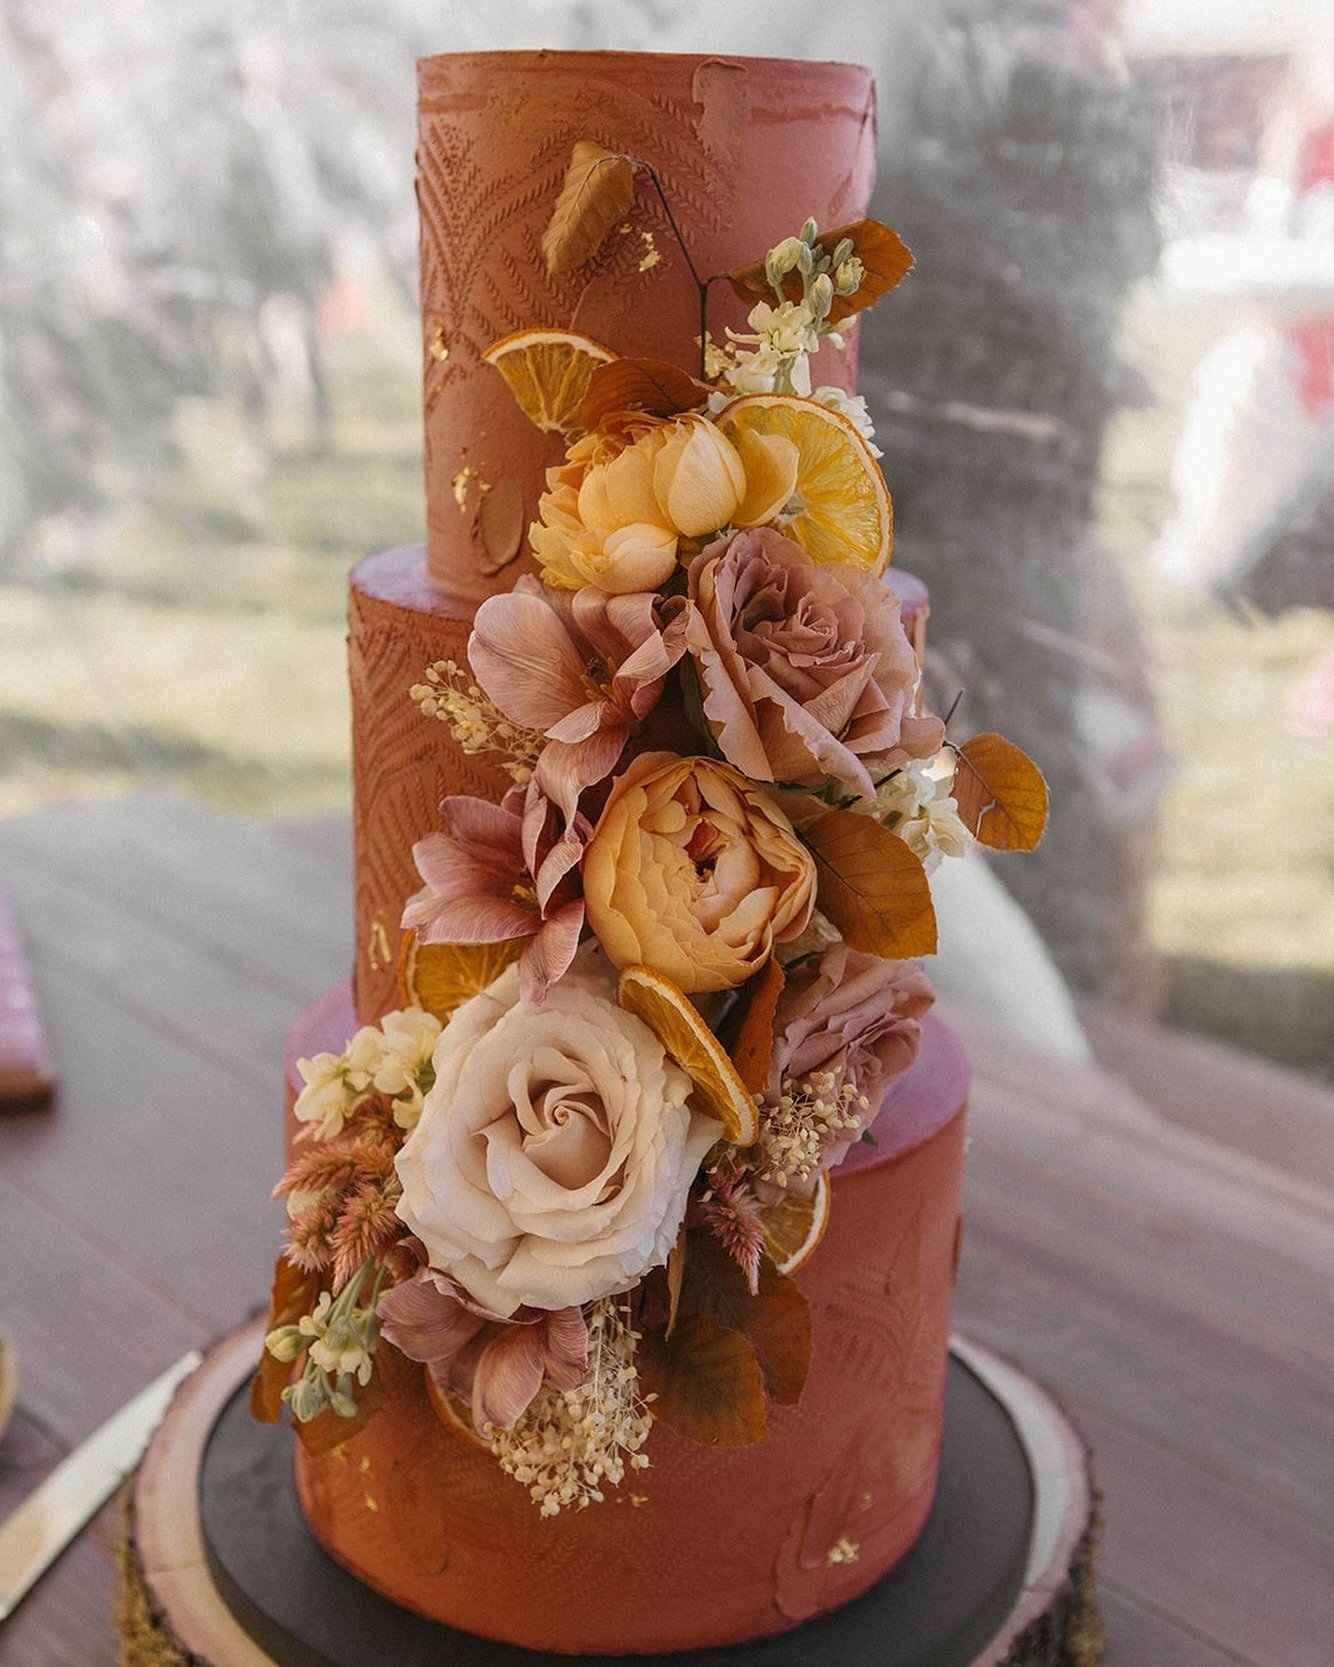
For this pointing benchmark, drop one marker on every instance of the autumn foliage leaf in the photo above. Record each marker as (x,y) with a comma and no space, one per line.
(753,1039)
(1001,794)
(775,1321)
(707,1382)
(649,385)
(881,251)
(871,885)
(597,192)
(294,1294)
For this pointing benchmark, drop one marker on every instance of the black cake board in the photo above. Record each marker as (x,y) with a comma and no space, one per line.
(225,1572)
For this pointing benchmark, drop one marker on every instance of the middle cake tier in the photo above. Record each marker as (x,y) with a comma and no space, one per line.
(401,630)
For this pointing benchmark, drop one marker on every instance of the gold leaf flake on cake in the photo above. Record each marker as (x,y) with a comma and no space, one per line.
(843,1551)
(459,486)
(378,951)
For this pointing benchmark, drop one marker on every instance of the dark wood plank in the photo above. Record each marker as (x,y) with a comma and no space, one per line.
(1203,1552)
(66,1621)
(27,1453)
(1136,1637)
(1197,1388)
(191,875)
(164,1158)
(89,1333)
(1276,1115)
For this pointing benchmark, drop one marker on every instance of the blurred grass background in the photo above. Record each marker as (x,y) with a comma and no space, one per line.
(196,638)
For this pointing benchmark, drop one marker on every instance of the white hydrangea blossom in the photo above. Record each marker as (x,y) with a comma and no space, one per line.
(916,803)
(405,1071)
(854,408)
(393,1059)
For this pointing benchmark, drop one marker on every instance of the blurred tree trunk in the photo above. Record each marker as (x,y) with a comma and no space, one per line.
(1020,169)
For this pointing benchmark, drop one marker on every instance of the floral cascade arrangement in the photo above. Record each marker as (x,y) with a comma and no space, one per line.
(656,993)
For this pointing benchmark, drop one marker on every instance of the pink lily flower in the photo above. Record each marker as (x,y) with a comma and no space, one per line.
(580,668)
(497,1364)
(494,873)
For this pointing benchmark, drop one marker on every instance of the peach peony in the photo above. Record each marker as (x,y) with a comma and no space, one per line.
(615,510)
(695,872)
(554,1154)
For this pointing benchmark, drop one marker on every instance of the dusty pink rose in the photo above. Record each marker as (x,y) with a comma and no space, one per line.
(496,872)
(578,666)
(852,1014)
(694,871)
(806,671)
(496,1363)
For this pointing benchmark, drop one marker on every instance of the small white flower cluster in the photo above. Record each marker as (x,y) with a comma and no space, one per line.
(338,1339)
(393,1059)
(855,409)
(571,1443)
(476,723)
(916,804)
(795,1133)
(774,356)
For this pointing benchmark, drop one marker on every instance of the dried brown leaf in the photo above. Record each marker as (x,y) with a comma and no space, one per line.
(650,385)
(775,1321)
(881,251)
(871,885)
(596,194)
(1001,794)
(676,1269)
(294,1294)
(752,1042)
(706,1381)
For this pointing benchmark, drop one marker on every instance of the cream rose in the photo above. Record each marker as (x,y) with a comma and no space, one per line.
(554,1153)
(692,870)
(614,511)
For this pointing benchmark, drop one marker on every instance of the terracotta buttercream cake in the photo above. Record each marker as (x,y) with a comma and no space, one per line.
(623,1178)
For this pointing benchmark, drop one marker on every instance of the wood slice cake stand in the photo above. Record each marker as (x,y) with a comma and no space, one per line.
(220,1570)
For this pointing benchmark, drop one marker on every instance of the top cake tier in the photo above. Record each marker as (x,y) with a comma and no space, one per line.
(735,142)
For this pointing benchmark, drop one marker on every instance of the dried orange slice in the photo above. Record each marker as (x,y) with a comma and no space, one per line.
(454,1414)
(670,1015)
(840,508)
(794,1226)
(547,372)
(442,976)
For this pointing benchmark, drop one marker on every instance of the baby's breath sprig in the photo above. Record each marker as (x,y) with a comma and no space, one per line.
(794,1133)
(571,1444)
(476,722)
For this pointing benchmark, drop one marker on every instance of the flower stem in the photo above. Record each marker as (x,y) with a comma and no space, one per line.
(701,284)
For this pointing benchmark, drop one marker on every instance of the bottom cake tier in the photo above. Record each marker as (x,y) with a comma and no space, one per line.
(708,1545)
